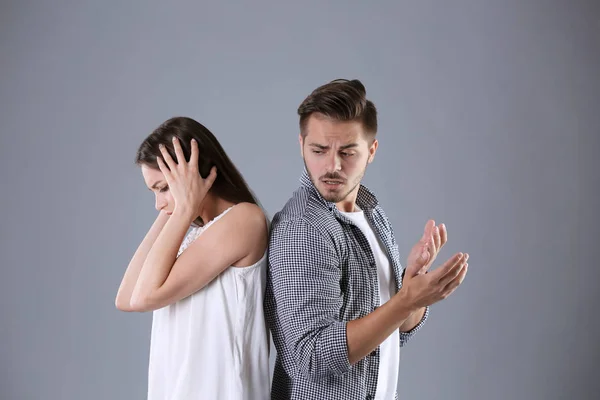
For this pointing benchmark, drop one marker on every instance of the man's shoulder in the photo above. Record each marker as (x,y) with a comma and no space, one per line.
(302,209)
(294,208)
(304,215)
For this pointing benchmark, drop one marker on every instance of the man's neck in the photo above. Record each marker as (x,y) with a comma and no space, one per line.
(349,203)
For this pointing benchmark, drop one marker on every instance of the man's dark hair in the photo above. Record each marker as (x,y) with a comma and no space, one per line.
(342,100)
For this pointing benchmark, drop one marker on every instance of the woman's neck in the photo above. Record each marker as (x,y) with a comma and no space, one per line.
(212,207)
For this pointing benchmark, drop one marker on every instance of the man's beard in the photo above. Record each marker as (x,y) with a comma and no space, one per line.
(336,197)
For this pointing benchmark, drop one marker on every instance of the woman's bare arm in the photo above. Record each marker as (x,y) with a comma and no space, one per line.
(123,300)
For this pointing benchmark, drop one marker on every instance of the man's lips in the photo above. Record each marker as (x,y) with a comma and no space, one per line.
(332,182)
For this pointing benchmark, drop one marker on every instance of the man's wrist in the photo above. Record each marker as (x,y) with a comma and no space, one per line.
(416,320)
(404,305)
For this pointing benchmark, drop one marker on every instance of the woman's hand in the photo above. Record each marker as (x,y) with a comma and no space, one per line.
(186,185)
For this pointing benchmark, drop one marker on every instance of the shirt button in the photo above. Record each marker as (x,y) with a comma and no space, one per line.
(373,353)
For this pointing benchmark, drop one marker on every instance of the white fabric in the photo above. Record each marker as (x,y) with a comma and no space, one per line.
(213,344)
(389,361)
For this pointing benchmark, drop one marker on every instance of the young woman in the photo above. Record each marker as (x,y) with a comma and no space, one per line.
(201,269)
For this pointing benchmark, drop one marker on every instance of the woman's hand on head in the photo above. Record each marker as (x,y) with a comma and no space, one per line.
(186,185)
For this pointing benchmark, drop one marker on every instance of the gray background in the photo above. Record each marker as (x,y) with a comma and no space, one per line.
(489,122)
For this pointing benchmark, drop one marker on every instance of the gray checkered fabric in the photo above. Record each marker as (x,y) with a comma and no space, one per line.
(322,274)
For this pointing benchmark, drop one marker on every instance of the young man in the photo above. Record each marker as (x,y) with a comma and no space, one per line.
(338,301)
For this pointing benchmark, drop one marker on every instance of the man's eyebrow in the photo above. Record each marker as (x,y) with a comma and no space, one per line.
(345,147)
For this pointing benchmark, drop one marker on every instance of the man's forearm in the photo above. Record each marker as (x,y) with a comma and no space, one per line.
(365,334)
(413,320)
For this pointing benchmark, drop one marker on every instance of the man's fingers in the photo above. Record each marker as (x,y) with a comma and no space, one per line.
(448,266)
(427,232)
(455,283)
(443,234)
(437,238)
(431,249)
(454,271)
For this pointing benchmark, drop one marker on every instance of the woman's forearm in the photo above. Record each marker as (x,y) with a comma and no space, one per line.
(123,300)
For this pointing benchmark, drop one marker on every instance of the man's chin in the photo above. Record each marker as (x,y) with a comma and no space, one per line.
(332,197)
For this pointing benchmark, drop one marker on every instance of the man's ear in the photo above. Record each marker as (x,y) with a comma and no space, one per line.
(373,150)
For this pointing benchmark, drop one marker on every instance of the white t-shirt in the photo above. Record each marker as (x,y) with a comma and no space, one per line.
(389,362)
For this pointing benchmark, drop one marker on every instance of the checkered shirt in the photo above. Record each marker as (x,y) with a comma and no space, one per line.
(322,274)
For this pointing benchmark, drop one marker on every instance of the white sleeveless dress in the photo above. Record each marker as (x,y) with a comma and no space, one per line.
(213,344)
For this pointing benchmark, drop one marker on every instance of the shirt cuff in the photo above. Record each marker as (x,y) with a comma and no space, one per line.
(405,336)
(334,346)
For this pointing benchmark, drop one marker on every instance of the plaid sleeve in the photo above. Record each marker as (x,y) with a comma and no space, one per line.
(405,336)
(305,276)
